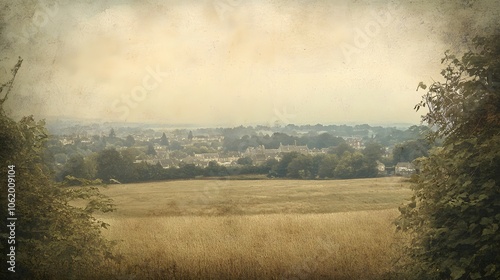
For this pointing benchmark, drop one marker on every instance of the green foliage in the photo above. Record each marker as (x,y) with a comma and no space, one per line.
(54,240)
(164,140)
(342,148)
(324,140)
(175,146)
(112,164)
(411,150)
(455,212)
(355,165)
(198,148)
(300,167)
(345,168)
(129,141)
(282,166)
(245,161)
(151,150)
(327,166)
(373,151)
(186,171)
(74,181)
(214,169)
(78,167)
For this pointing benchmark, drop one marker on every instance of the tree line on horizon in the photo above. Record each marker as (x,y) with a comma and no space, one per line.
(342,163)
(82,159)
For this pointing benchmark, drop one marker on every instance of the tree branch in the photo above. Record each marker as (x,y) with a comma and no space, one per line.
(8,85)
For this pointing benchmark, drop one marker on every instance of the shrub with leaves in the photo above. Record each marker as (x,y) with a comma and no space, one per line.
(454,215)
(54,239)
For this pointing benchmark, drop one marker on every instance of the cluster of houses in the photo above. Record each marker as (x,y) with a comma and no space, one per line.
(224,159)
(163,158)
(260,154)
(400,169)
(355,142)
(404,169)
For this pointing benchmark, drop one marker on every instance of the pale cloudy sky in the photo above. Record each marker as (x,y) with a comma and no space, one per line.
(231,62)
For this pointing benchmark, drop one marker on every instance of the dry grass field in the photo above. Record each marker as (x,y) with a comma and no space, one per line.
(222,197)
(267,229)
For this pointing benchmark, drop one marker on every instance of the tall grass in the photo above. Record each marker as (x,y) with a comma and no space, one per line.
(222,197)
(349,245)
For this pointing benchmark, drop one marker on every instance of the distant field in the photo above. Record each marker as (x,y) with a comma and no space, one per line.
(222,197)
(267,229)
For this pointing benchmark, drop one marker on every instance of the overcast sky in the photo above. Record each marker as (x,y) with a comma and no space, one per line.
(231,62)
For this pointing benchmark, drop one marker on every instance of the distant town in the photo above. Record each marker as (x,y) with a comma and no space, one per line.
(77,150)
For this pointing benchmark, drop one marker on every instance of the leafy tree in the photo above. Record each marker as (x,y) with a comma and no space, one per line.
(188,171)
(245,161)
(142,172)
(77,167)
(342,148)
(367,169)
(112,134)
(327,166)
(61,158)
(316,161)
(358,164)
(271,165)
(175,146)
(455,211)
(198,149)
(54,240)
(344,168)
(146,172)
(281,169)
(324,140)
(164,140)
(130,154)
(355,165)
(417,132)
(373,151)
(129,141)
(190,135)
(110,165)
(91,165)
(299,167)
(128,172)
(151,150)
(214,169)
(410,150)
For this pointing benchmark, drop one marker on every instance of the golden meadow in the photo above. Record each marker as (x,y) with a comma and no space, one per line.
(256,229)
